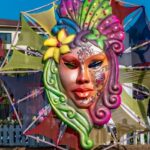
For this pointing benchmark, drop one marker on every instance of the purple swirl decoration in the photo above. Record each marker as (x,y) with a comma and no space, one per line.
(113,30)
(112,91)
(116,45)
(110,97)
(101,115)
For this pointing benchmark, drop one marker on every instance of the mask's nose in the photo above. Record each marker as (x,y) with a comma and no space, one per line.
(83,76)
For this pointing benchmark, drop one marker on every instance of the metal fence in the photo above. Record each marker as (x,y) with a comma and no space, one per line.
(11,135)
(134,139)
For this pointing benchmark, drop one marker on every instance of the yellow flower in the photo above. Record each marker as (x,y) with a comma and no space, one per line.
(58,45)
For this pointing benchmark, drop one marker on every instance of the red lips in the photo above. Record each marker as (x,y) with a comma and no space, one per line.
(82,93)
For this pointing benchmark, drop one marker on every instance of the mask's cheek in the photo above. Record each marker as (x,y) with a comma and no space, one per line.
(99,78)
(68,78)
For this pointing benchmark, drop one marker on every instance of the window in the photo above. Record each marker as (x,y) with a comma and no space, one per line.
(6,37)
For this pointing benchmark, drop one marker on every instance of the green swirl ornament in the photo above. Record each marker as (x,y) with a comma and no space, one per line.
(58,102)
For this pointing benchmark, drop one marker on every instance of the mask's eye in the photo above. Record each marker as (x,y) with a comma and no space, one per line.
(71,65)
(95,64)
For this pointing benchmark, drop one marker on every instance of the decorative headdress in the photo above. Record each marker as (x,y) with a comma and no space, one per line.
(91,20)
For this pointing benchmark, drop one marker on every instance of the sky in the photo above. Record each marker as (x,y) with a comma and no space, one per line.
(10,9)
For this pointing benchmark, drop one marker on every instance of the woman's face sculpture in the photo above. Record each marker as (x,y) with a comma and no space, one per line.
(83,73)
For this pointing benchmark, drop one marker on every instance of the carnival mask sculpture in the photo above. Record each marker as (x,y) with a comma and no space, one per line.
(81,69)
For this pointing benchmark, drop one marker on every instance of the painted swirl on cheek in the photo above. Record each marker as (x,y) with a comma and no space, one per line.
(99,77)
(99,80)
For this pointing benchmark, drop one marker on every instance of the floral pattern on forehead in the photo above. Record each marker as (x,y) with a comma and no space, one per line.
(85,50)
(92,22)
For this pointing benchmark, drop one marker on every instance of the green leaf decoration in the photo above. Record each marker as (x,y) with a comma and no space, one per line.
(95,31)
(91,37)
(100,41)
